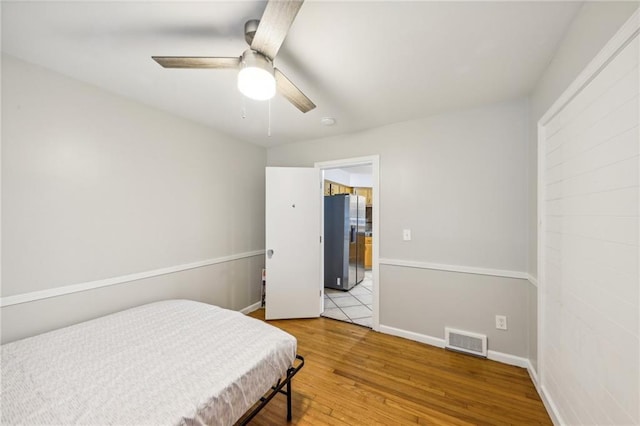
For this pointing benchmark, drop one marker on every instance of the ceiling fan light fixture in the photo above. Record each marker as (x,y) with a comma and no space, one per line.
(256,78)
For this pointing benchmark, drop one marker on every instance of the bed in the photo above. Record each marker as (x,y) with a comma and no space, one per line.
(174,362)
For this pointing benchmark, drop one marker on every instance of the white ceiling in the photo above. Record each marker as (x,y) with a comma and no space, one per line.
(365,63)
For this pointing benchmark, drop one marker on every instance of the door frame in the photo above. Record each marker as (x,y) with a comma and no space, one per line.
(374,161)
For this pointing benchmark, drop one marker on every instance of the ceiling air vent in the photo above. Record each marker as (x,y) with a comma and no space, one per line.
(465,341)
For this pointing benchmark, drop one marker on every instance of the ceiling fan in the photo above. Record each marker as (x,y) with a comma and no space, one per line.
(258,78)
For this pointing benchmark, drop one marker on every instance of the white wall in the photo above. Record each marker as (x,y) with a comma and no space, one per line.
(459,182)
(338,176)
(346,177)
(590,284)
(96,186)
(594,25)
(361,180)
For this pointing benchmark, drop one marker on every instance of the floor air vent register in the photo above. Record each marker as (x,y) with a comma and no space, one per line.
(465,341)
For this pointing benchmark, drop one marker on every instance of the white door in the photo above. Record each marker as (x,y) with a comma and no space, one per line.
(292,259)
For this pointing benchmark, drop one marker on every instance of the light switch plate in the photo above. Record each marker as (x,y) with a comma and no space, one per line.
(406,234)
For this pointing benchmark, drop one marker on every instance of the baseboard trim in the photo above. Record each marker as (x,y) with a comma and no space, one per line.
(422,338)
(90,285)
(251,308)
(455,268)
(504,358)
(533,374)
(440,343)
(551,407)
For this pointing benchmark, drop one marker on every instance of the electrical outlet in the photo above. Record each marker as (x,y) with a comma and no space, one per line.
(501,322)
(406,234)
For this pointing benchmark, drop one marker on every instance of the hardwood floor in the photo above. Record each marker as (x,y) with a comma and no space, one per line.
(355,376)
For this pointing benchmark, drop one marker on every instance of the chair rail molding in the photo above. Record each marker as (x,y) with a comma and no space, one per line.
(455,268)
(90,285)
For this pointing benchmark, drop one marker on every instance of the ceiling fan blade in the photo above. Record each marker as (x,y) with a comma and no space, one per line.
(274,25)
(289,90)
(196,62)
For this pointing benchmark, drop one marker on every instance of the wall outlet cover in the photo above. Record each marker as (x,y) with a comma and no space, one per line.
(501,322)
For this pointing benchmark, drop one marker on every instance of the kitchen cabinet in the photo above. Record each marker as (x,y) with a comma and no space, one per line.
(367,193)
(327,188)
(333,188)
(368,252)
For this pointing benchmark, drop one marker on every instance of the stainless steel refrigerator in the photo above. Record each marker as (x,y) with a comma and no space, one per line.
(344,232)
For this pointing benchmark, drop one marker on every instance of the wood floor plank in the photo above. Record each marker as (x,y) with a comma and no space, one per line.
(355,376)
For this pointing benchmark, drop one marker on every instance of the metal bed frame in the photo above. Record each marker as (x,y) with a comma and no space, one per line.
(275,389)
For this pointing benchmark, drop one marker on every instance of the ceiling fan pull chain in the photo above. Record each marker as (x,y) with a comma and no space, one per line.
(269,127)
(244,107)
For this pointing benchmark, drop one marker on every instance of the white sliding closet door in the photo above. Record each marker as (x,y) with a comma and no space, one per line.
(589,259)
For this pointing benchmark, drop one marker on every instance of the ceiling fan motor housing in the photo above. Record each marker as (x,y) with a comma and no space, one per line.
(251,58)
(250,28)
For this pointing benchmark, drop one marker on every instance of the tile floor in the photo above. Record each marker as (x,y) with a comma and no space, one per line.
(350,306)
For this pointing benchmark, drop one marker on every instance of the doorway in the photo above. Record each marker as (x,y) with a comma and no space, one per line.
(350,268)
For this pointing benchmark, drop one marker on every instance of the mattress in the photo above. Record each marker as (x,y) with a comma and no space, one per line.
(165,363)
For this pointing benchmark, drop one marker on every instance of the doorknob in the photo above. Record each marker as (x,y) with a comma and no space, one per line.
(269,253)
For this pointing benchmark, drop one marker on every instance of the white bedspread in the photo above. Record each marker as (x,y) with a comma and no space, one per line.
(166,363)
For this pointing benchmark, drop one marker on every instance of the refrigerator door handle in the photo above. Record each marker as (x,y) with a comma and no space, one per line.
(352,234)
